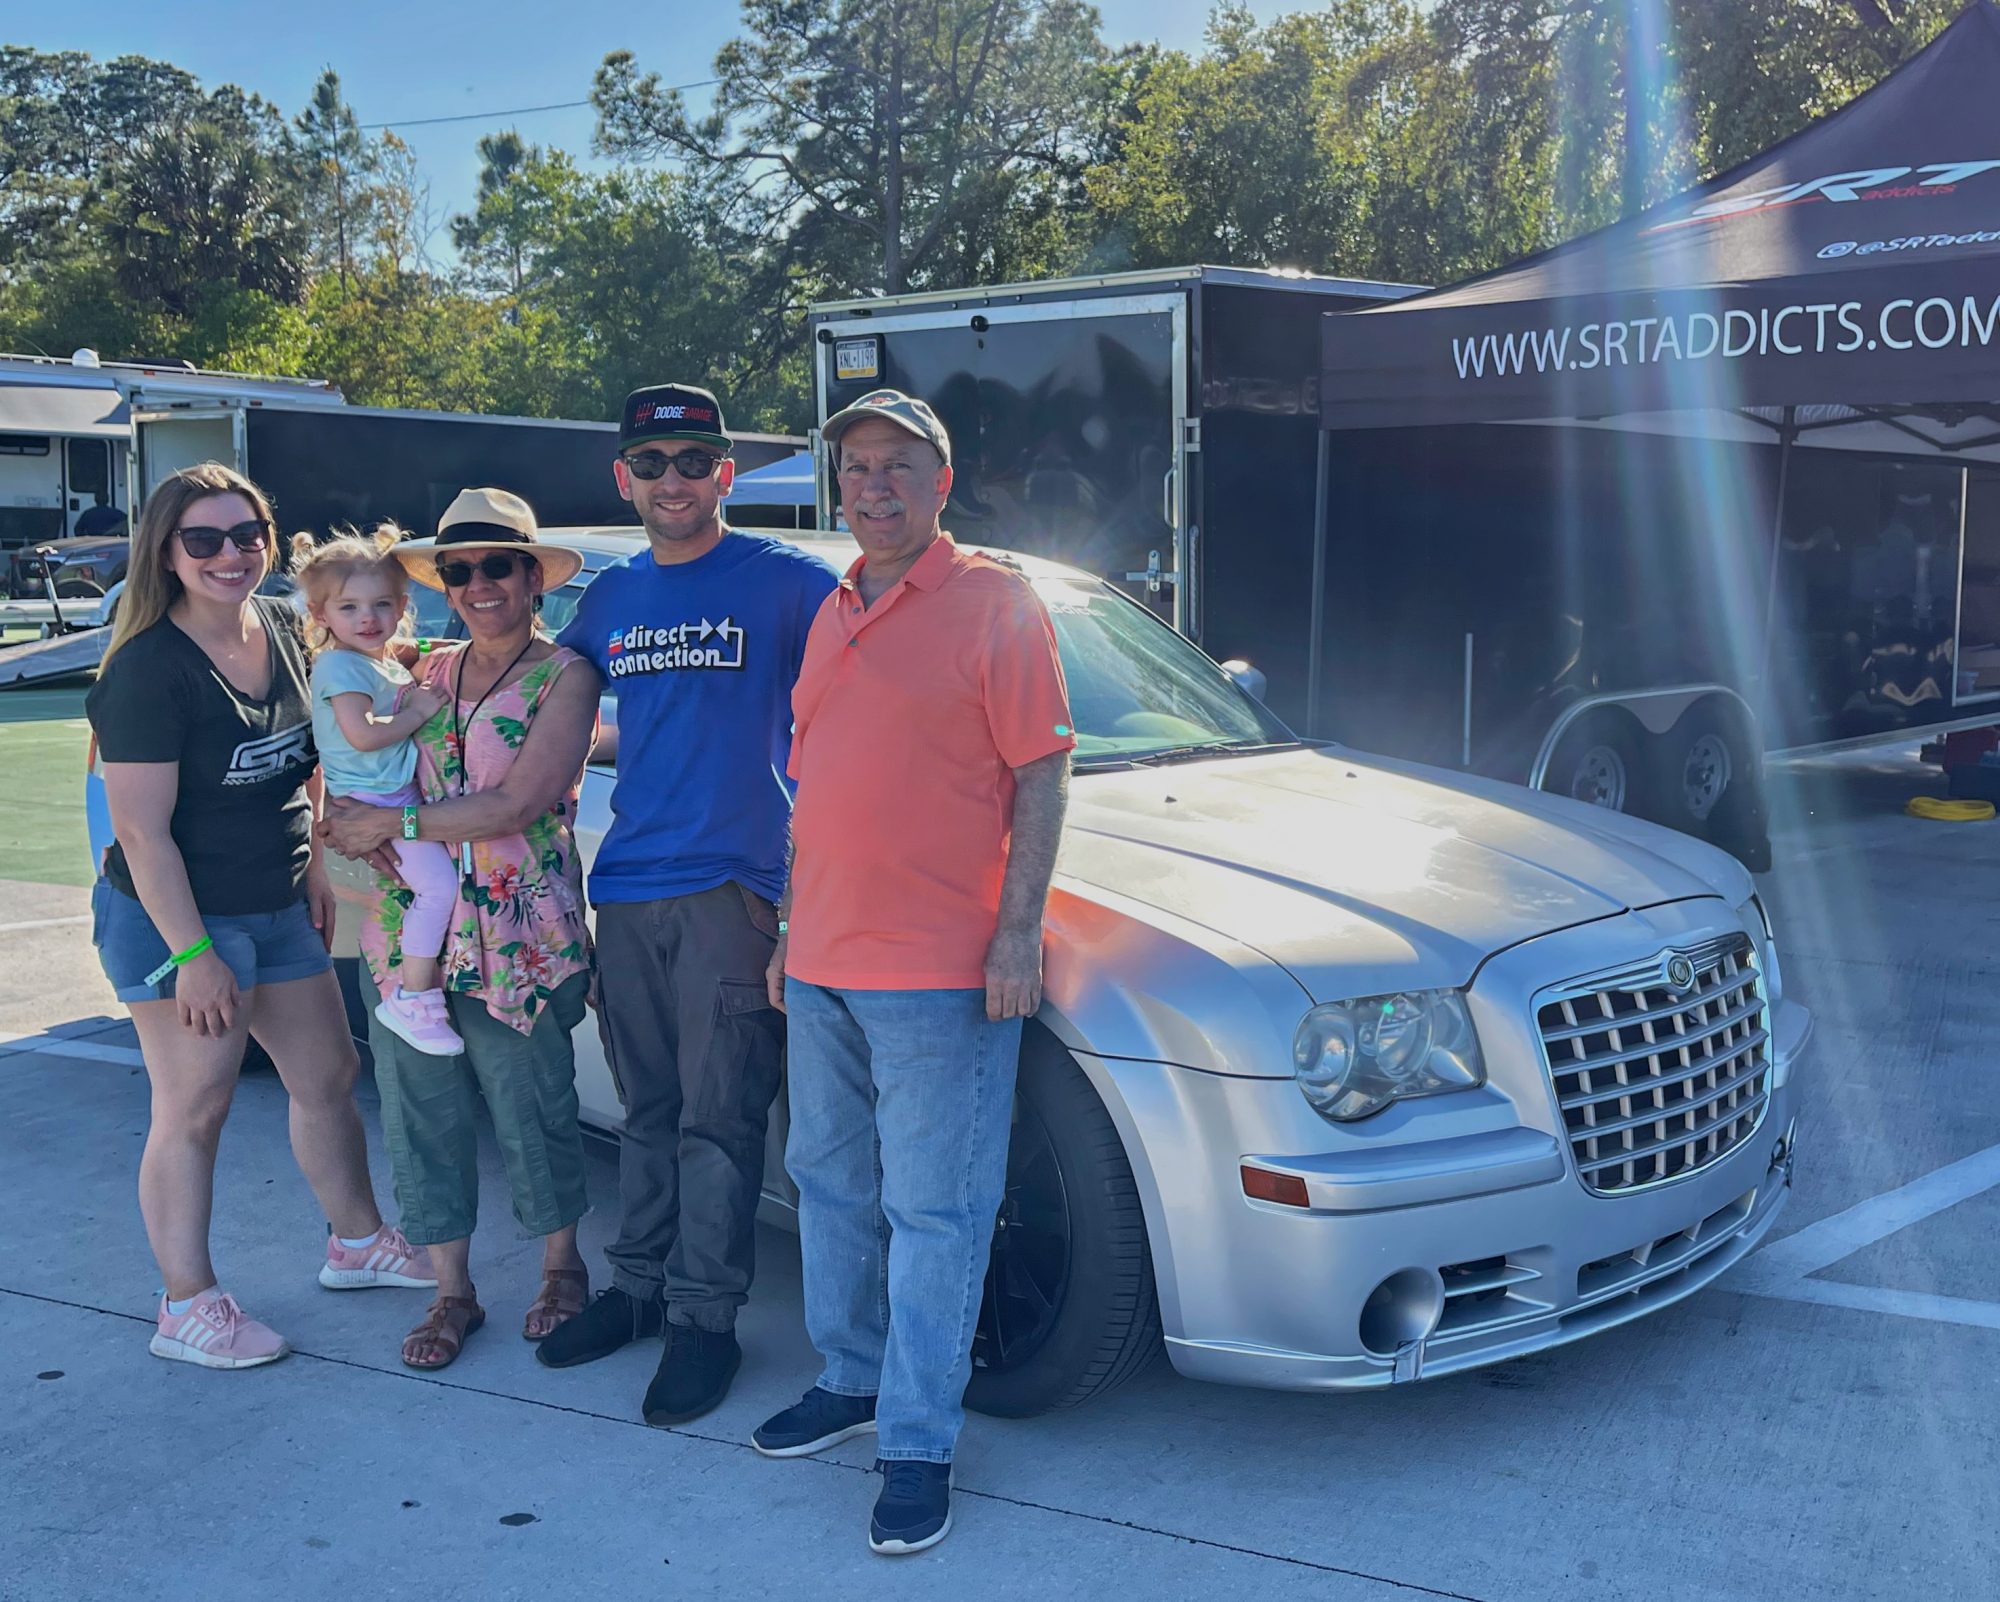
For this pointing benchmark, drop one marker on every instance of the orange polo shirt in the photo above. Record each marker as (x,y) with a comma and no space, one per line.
(908,719)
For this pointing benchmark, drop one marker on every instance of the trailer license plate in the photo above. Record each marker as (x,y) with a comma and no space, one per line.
(857,358)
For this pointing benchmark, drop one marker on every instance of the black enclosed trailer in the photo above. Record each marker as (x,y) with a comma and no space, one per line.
(1720,479)
(1155,428)
(331,466)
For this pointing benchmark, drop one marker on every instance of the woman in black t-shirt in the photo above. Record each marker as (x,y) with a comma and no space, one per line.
(213,917)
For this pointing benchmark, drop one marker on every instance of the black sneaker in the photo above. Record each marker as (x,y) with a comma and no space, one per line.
(914,1509)
(814,1422)
(693,1376)
(610,1320)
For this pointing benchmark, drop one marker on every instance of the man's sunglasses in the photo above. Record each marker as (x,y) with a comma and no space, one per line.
(201,542)
(496,565)
(689,464)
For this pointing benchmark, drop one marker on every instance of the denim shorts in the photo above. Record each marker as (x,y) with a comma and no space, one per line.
(261,948)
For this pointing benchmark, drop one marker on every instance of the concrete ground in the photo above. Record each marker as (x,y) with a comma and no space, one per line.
(1821,1424)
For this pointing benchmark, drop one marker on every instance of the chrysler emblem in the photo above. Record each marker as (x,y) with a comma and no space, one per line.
(1680,973)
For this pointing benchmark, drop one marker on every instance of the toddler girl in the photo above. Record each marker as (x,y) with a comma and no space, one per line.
(365,710)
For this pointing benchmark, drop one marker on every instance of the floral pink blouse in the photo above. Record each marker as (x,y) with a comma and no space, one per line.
(518,930)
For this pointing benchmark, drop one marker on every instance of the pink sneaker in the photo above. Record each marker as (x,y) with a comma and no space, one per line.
(389,1259)
(419,1017)
(216,1333)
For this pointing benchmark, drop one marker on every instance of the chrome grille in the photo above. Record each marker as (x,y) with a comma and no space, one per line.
(1655,1082)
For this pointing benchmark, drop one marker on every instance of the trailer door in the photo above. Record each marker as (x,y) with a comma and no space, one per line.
(1065,421)
(89,483)
(167,441)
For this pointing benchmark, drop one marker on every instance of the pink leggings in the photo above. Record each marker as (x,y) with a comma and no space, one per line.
(432,876)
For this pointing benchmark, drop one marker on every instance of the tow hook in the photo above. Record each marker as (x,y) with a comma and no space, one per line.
(1783,1153)
(1409,1363)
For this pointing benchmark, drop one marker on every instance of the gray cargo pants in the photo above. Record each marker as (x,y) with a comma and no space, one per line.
(697,1051)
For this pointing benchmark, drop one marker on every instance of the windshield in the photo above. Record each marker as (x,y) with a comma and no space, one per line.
(1137,690)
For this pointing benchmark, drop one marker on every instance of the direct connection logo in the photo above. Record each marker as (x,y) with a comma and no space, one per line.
(683,646)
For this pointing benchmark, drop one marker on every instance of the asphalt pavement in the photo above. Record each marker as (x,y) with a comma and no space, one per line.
(1820,1424)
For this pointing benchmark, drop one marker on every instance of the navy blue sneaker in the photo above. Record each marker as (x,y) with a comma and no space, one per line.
(914,1510)
(814,1422)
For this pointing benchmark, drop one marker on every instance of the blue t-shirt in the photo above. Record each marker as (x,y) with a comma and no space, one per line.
(702,656)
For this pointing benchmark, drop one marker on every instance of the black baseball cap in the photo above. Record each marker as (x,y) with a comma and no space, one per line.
(673,412)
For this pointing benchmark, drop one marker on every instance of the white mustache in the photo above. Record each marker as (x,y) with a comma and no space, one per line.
(881,508)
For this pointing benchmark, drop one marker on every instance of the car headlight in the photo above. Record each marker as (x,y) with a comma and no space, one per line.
(1352,1058)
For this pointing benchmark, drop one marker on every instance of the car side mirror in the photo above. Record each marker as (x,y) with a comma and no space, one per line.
(1250,680)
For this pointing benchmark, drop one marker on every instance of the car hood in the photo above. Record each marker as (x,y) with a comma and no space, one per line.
(1361,875)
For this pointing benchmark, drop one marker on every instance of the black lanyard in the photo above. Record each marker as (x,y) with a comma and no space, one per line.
(457,698)
(459,734)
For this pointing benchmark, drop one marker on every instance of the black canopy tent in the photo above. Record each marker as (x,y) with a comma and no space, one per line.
(1841,289)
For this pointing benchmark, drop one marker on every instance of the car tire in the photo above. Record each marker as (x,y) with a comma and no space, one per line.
(1085,1318)
(1597,763)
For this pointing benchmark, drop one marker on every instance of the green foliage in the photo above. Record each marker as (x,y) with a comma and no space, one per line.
(874,144)
(867,146)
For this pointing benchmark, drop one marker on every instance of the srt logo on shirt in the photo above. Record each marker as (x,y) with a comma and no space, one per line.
(686,645)
(254,761)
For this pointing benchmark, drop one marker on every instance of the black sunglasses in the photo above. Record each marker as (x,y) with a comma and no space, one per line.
(496,565)
(201,542)
(689,464)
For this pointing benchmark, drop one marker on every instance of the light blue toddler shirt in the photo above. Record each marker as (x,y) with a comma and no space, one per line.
(348,771)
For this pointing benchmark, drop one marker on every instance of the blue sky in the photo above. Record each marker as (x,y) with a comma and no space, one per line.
(439,58)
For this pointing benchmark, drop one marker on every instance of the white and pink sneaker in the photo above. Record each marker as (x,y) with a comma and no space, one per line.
(216,1333)
(418,1016)
(388,1259)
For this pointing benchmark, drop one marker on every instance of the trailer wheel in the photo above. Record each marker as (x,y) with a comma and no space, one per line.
(1703,758)
(1595,763)
(1070,1309)
(1708,782)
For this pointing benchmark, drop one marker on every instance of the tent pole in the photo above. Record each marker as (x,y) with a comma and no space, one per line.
(1787,433)
(1316,646)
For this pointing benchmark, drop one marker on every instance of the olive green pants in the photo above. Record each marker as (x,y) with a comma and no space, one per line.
(430,1109)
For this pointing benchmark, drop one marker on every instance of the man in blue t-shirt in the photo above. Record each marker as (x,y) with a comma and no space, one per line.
(700,638)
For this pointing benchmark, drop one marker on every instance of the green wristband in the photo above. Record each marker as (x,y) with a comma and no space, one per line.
(180,959)
(409,823)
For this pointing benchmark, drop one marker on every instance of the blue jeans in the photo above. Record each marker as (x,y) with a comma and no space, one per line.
(902,1103)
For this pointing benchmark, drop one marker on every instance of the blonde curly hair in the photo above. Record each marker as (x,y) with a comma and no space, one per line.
(321,567)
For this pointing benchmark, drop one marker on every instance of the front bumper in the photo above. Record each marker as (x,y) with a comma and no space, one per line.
(1445,1234)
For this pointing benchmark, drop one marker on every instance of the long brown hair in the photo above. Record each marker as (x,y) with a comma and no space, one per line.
(151,585)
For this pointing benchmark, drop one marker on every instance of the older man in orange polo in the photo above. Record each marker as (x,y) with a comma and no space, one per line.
(931,745)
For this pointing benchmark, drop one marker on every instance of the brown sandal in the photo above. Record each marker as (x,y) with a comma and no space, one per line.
(445,1327)
(564,1291)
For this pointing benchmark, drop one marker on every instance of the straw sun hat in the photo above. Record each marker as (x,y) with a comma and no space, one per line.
(482,520)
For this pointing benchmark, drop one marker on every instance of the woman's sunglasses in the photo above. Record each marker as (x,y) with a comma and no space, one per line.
(689,464)
(496,565)
(201,542)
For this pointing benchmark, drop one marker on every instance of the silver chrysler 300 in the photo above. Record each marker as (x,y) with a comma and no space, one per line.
(1349,1071)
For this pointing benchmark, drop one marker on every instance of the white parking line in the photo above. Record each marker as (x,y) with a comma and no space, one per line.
(44,923)
(61,1046)
(1784,1269)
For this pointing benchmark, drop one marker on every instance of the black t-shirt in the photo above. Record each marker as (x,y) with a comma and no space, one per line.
(242,819)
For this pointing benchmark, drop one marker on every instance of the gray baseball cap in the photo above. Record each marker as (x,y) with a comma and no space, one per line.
(892,406)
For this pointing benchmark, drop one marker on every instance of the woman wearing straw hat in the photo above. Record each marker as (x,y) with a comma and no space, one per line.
(499,771)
